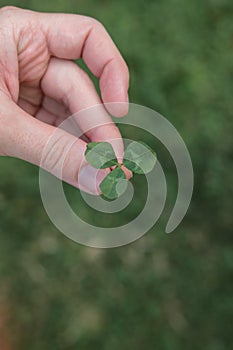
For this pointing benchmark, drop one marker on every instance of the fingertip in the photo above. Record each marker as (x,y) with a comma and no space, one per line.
(118,109)
(127,172)
(89,179)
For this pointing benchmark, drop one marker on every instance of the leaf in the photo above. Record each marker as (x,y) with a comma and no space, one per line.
(100,155)
(139,158)
(114,184)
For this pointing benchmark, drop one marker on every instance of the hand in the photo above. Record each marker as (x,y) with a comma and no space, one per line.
(40,86)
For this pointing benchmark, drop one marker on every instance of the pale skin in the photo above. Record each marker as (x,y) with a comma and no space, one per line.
(40,86)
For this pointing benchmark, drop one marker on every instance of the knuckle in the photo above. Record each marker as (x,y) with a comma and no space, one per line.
(54,154)
(95,22)
(8,9)
(96,25)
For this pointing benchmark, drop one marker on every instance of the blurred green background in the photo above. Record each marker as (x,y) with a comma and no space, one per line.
(162,292)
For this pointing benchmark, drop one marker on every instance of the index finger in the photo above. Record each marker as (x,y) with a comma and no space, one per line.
(74,36)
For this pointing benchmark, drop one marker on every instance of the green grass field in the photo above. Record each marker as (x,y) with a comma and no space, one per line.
(165,292)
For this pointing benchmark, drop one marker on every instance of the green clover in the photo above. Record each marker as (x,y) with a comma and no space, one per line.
(138,157)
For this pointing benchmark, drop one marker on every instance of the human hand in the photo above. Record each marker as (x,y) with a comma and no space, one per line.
(40,86)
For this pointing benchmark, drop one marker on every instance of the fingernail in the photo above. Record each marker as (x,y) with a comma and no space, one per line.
(89,179)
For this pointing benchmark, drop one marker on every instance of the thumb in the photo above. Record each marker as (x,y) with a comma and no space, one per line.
(55,150)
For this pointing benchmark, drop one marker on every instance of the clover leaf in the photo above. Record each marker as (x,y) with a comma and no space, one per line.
(114,184)
(138,157)
(100,155)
